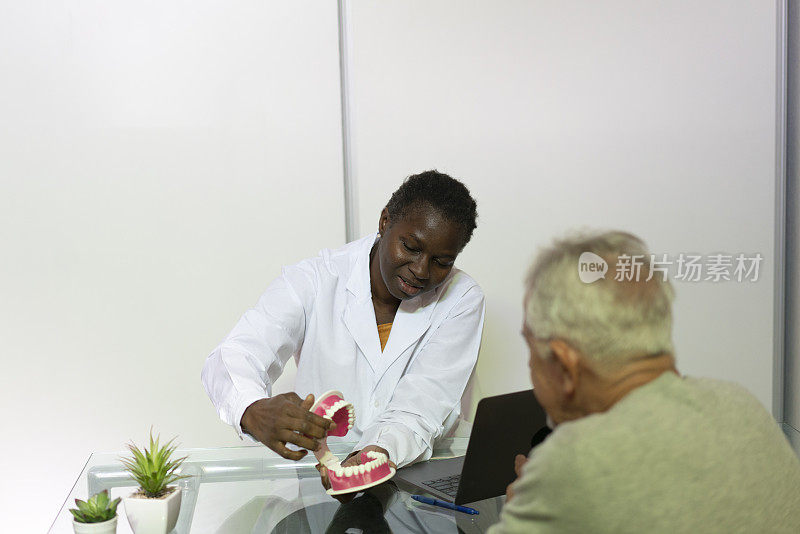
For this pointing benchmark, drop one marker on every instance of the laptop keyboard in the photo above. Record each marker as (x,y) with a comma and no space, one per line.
(447,485)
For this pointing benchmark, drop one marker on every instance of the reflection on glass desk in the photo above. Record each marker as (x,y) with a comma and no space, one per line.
(251,489)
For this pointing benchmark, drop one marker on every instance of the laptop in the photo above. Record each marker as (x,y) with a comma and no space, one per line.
(505,425)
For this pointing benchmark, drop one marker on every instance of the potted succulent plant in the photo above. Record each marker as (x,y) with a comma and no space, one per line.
(96,515)
(153,508)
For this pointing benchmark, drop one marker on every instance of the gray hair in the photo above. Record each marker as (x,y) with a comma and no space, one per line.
(608,321)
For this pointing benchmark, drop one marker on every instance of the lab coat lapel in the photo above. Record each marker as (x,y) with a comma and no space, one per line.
(359,314)
(412,320)
(359,318)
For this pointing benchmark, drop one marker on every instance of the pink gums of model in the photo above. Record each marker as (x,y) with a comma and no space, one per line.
(373,467)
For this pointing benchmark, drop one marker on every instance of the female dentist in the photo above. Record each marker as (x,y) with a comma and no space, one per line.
(387,320)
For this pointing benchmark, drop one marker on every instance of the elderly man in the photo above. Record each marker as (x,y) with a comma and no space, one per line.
(637,447)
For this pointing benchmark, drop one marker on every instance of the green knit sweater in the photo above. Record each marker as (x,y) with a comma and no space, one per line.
(675,455)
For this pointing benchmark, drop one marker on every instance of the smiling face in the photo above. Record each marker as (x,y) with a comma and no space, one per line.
(415,253)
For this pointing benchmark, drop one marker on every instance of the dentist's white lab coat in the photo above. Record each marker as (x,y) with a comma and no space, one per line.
(320,311)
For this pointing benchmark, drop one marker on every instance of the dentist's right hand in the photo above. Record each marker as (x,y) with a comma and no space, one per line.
(283,419)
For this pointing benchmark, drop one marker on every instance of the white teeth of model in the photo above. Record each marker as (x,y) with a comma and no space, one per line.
(368,466)
(362,468)
(375,455)
(348,471)
(331,410)
(339,472)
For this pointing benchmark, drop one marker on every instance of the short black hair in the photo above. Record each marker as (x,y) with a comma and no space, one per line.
(444,193)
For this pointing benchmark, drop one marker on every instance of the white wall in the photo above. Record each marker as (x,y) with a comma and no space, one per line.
(657,118)
(159,162)
(792,395)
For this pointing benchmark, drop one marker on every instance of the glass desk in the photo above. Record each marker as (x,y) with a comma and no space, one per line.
(252,489)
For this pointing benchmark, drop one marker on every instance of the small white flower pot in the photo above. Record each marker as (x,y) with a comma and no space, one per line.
(106,527)
(153,516)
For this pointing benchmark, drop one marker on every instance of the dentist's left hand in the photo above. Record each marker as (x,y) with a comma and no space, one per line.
(352,459)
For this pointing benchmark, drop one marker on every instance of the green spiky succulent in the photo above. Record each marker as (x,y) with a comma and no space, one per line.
(152,468)
(96,509)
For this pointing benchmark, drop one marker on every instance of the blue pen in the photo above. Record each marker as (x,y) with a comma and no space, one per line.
(443,504)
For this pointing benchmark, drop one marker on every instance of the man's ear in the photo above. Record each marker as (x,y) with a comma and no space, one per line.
(383,222)
(567,361)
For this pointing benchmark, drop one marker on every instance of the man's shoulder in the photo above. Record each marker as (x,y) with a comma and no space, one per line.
(673,424)
(661,404)
(658,414)
(727,392)
(715,402)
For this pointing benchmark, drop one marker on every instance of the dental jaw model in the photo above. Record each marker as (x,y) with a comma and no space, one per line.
(373,468)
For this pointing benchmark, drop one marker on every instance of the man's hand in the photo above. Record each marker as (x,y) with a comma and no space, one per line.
(519,461)
(285,419)
(352,459)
